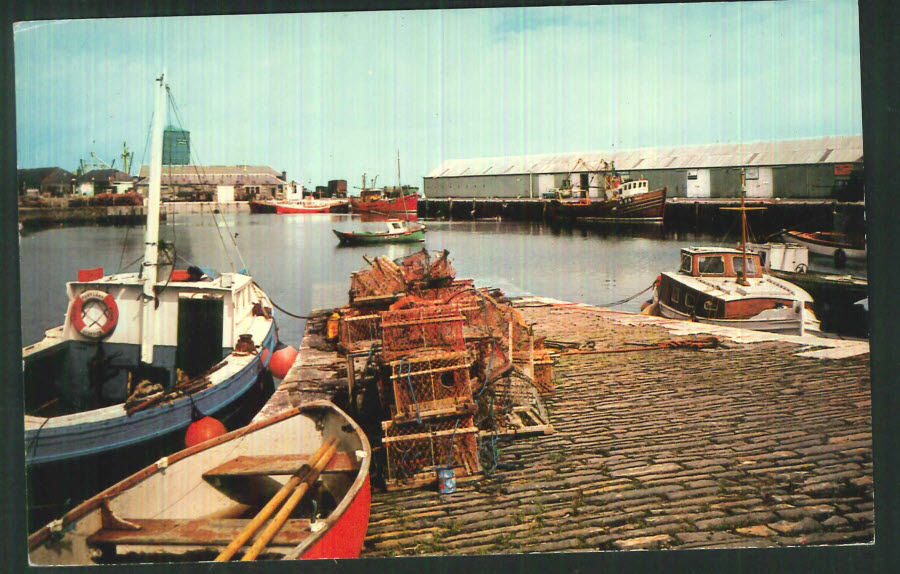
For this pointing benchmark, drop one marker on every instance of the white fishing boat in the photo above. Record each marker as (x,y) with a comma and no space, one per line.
(140,353)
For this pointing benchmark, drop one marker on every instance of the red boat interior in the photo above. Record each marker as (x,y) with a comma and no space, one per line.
(250,482)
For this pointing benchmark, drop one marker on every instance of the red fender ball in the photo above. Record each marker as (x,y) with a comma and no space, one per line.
(264,356)
(203,430)
(281,361)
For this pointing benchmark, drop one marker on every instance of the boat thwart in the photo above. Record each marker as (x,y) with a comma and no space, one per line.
(192,504)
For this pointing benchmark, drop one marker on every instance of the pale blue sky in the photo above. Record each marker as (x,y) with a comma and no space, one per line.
(326,96)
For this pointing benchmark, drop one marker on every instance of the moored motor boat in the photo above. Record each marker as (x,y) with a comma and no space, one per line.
(139,357)
(193,505)
(385,201)
(305,206)
(727,287)
(840,246)
(397,232)
(790,261)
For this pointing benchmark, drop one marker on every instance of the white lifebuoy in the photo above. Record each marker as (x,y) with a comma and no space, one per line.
(94,314)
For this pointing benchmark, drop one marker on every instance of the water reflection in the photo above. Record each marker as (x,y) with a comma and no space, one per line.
(297,260)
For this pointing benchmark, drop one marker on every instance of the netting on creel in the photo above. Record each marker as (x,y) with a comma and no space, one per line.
(428,383)
(422,328)
(417,449)
(360,331)
(497,401)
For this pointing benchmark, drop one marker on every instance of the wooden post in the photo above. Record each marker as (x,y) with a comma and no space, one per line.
(351,374)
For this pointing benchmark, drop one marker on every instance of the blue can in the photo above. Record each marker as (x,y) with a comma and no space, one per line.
(446,480)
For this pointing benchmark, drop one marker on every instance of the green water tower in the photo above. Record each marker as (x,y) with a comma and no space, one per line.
(176,146)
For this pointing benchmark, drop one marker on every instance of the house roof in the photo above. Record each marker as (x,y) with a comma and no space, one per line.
(36,176)
(828,150)
(104,175)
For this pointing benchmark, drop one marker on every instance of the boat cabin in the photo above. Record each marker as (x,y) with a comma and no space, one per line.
(197,323)
(789,257)
(631,188)
(396,226)
(718,262)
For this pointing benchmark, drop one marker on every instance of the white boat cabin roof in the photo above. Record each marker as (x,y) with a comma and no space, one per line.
(226,281)
(708,250)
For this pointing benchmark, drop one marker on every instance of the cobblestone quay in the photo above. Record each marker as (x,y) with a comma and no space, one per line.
(763,441)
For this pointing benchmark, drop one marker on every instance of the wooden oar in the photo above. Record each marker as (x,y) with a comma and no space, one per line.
(258,520)
(275,525)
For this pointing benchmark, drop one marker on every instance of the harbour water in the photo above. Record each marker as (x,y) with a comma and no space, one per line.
(296,259)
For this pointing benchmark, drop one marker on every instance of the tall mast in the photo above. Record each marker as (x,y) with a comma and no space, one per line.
(400,185)
(151,238)
(743,279)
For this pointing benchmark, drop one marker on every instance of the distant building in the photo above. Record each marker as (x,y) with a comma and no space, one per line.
(809,168)
(176,146)
(223,183)
(99,181)
(52,181)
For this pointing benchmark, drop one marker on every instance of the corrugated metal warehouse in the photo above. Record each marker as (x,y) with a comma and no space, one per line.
(808,168)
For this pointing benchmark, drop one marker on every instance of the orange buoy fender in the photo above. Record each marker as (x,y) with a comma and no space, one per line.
(202,430)
(281,361)
(94,314)
(646,304)
(264,356)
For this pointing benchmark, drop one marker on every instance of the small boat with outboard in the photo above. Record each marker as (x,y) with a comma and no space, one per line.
(398,231)
(295,485)
(838,245)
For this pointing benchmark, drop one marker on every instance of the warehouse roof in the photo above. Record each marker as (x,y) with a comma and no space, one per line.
(216,174)
(829,150)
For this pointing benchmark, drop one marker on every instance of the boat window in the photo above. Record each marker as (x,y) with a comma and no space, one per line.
(738,263)
(685,262)
(675,295)
(690,300)
(712,264)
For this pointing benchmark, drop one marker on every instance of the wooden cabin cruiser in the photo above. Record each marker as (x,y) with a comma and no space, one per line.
(724,286)
(305,469)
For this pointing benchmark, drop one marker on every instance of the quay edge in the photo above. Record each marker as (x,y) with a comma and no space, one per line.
(763,442)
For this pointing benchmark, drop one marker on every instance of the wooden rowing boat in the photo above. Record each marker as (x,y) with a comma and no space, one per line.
(190,505)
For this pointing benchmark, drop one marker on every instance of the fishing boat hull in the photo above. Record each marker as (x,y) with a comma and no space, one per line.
(783,321)
(401,204)
(649,206)
(412,236)
(190,505)
(829,244)
(262,207)
(110,428)
(283,208)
